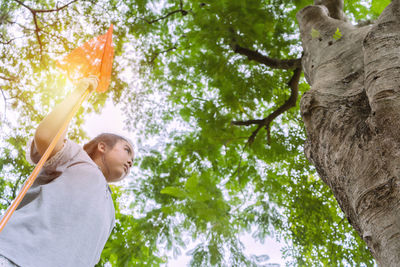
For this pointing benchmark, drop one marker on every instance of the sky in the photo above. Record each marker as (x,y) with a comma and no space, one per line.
(111,120)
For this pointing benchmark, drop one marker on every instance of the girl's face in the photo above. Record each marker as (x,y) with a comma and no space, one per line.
(117,161)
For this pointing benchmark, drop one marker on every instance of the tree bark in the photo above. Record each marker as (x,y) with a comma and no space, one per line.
(352,119)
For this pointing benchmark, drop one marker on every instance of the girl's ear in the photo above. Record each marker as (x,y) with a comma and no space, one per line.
(101,147)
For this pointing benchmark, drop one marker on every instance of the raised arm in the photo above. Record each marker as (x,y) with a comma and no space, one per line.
(50,125)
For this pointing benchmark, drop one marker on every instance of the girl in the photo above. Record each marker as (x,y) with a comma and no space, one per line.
(67,215)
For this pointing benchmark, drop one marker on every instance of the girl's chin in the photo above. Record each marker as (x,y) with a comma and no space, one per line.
(116,178)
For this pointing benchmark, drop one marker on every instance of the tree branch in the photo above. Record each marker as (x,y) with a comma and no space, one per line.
(247,123)
(266,122)
(37,30)
(270,62)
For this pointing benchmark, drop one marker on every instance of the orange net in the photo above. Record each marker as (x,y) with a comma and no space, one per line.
(94,57)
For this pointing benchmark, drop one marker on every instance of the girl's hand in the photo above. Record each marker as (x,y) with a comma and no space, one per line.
(90,82)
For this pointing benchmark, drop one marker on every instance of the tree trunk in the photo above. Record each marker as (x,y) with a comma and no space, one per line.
(352,118)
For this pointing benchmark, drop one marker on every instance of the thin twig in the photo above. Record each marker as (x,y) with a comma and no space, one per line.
(7,42)
(240,163)
(7,200)
(5,104)
(59,38)
(20,25)
(32,108)
(161,52)
(163,17)
(11,79)
(11,40)
(22,4)
(45,10)
(15,187)
(180,10)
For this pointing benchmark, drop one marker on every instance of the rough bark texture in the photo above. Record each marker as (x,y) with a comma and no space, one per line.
(352,118)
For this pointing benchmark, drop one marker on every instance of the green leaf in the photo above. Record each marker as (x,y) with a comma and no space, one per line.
(315,33)
(377,6)
(192,182)
(185,113)
(174,191)
(337,35)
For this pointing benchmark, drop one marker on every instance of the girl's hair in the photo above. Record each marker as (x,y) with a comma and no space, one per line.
(108,138)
